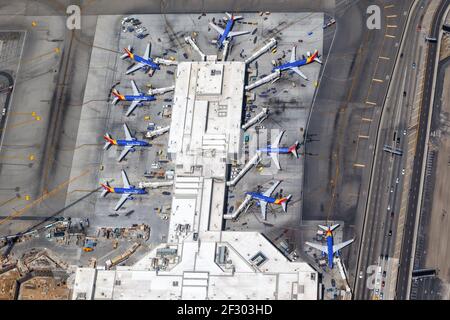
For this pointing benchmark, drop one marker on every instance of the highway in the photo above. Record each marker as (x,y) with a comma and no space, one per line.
(378,239)
(407,246)
(345,118)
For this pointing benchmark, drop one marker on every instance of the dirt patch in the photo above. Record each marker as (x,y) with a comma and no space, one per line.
(438,248)
(44,288)
(8,283)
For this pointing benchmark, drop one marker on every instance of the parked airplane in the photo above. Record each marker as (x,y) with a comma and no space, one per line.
(330,249)
(265,198)
(135,99)
(294,64)
(274,150)
(144,62)
(126,191)
(227,34)
(130,142)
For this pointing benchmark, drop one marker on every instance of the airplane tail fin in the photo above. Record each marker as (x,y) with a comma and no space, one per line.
(316,57)
(106,189)
(109,141)
(333,227)
(117,96)
(127,53)
(285,202)
(324,228)
(293,149)
(233,17)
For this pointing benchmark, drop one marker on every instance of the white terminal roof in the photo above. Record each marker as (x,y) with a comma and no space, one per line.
(205,262)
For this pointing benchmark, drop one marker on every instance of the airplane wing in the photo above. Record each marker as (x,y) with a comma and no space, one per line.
(297,71)
(132,107)
(134,68)
(269,191)
(121,201)
(135,88)
(342,245)
(232,34)
(124,152)
(263,206)
(277,140)
(217,28)
(128,135)
(293,54)
(126,182)
(276,159)
(318,247)
(147,52)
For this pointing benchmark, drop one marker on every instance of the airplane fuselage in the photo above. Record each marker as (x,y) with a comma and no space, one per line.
(281,150)
(148,62)
(296,64)
(141,97)
(330,250)
(224,36)
(262,197)
(129,190)
(133,143)
(289,65)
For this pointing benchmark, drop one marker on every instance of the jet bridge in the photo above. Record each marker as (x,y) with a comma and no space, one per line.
(254,160)
(274,76)
(272,43)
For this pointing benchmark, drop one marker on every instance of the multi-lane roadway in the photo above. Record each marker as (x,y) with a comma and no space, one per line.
(379,234)
(404,276)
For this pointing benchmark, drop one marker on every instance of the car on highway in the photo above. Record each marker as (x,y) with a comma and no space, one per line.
(361,274)
(392,189)
(384,273)
(403,171)
(414,65)
(404,132)
(383,284)
(389,207)
(390,233)
(397,180)
(392,214)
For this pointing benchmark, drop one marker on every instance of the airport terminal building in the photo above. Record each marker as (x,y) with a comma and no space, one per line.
(201,260)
